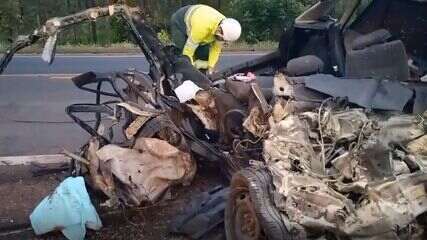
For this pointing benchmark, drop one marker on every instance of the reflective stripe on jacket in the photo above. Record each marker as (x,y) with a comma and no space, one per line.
(202,22)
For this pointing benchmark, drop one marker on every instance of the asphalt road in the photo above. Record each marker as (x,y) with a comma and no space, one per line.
(33,96)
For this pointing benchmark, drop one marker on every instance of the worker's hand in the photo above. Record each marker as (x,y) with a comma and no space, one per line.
(199,64)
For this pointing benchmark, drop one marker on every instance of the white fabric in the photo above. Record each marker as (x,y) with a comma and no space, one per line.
(187,91)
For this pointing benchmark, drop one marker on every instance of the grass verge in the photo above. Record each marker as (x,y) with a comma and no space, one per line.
(132,48)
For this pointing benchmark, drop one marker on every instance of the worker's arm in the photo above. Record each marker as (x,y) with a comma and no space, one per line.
(190,49)
(214,53)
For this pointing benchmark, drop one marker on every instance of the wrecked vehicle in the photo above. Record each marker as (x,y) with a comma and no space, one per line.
(150,128)
(330,132)
(345,154)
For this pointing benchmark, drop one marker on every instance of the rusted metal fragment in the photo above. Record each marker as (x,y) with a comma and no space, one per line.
(205,109)
(260,98)
(256,123)
(419,146)
(137,110)
(134,127)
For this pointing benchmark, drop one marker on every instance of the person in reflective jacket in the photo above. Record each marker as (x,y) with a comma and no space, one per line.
(199,31)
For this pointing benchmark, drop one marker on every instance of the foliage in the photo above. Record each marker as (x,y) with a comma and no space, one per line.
(9,16)
(164,37)
(266,19)
(261,19)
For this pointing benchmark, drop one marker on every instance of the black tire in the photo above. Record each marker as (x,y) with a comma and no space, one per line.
(257,184)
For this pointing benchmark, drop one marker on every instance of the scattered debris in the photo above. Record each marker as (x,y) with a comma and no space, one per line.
(330,148)
(338,171)
(204,213)
(68,209)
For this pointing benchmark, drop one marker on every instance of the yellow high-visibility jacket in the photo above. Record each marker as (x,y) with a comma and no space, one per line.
(202,22)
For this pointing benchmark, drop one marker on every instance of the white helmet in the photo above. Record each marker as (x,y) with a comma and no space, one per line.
(231,29)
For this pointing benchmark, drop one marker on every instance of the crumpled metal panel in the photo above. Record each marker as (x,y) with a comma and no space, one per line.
(367,93)
(145,172)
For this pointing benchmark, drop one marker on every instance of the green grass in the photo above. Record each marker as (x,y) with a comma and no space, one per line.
(131,48)
(3,47)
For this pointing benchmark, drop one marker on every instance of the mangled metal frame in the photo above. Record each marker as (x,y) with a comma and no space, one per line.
(140,102)
(50,31)
(345,171)
(52,27)
(159,70)
(152,90)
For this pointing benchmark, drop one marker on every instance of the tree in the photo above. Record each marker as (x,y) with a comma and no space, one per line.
(266,19)
(89,4)
(9,19)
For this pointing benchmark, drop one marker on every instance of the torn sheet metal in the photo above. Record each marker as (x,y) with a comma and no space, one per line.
(294,87)
(260,98)
(145,172)
(256,123)
(135,126)
(367,190)
(205,109)
(367,93)
(137,110)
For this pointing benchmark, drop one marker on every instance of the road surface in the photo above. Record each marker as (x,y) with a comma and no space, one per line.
(33,96)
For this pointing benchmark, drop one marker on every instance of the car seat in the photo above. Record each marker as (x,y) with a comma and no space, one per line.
(376,55)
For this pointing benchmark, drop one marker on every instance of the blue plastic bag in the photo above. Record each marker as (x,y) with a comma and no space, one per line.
(68,209)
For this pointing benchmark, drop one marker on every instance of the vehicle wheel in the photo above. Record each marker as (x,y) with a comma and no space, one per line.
(250,213)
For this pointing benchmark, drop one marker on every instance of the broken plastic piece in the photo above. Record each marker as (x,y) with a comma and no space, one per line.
(368,93)
(249,77)
(48,54)
(68,209)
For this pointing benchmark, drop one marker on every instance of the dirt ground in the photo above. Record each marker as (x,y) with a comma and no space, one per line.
(150,222)
(147,222)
